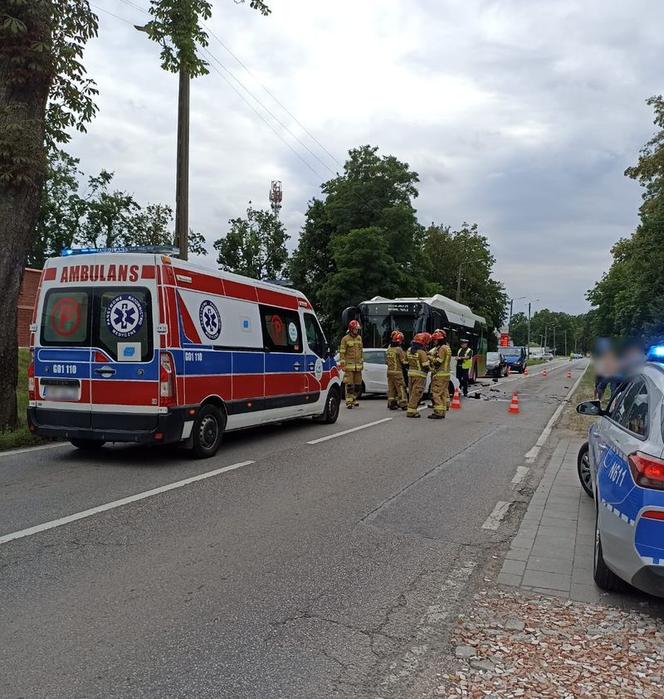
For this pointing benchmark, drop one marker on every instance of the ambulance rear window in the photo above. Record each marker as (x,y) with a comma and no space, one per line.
(65,318)
(124,323)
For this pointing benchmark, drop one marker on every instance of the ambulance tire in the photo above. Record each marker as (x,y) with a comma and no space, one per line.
(332,405)
(88,444)
(207,431)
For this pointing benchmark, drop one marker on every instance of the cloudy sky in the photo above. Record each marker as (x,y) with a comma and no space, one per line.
(520,115)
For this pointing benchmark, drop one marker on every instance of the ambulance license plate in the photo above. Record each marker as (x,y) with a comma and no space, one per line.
(60,391)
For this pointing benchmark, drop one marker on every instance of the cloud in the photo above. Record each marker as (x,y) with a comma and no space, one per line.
(519,116)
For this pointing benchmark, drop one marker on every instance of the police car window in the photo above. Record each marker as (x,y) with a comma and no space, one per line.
(123,323)
(281,330)
(65,318)
(315,337)
(634,409)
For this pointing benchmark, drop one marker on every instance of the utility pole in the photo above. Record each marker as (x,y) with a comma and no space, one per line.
(528,345)
(182,164)
(565,341)
(276,196)
(458,294)
(554,341)
(182,177)
(546,327)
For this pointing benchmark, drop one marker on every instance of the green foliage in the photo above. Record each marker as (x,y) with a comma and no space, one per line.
(448,253)
(629,299)
(102,217)
(364,268)
(254,246)
(48,92)
(177,26)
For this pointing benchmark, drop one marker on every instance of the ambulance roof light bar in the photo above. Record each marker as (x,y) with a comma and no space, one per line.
(151,249)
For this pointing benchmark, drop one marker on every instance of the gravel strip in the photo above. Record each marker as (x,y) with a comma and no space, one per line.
(514,645)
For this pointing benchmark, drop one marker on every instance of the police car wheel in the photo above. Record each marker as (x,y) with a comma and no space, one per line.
(88,444)
(604,577)
(207,432)
(583,469)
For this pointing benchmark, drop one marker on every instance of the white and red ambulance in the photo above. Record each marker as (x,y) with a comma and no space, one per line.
(144,347)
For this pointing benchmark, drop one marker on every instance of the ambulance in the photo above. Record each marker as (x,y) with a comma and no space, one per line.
(131,346)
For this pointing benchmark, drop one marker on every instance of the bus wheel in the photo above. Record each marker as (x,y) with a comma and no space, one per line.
(88,444)
(331,407)
(207,432)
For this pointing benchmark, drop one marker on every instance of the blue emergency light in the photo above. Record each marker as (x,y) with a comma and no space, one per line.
(656,353)
(151,249)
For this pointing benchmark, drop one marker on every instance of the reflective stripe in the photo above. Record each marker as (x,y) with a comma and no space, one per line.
(417,374)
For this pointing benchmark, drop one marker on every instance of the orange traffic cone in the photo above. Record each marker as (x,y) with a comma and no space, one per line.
(514,405)
(568,375)
(525,371)
(456,400)
(543,372)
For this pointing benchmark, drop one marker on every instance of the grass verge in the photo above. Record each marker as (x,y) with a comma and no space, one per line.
(21,436)
(584,391)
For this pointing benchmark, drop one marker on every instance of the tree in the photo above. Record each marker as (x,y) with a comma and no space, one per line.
(373,192)
(44,93)
(448,254)
(60,209)
(254,246)
(364,268)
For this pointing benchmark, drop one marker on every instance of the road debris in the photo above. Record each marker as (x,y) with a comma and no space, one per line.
(516,645)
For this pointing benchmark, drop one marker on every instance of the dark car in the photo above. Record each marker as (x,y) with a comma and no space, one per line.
(516,358)
(496,366)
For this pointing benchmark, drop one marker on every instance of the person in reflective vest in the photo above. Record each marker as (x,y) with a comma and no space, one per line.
(395,358)
(441,355)
(464,364)
(418,366)
(351,361)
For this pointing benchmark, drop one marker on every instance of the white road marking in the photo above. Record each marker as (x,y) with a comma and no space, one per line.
(118,503)
(352,429)
(532,453)
(521,473)
(26,450)
(496,517)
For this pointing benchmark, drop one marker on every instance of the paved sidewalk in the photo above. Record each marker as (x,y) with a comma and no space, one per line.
(552,552)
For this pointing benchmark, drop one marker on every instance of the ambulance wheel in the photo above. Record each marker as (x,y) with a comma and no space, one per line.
(332,404)
(207,431)
(88,444)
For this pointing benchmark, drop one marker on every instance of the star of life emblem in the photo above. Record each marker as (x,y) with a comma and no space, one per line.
(210,319)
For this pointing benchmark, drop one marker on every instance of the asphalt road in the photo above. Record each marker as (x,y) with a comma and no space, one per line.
(321,569)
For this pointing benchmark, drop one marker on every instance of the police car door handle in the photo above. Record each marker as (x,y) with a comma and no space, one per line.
(105,371)
(297,366)
(312,367)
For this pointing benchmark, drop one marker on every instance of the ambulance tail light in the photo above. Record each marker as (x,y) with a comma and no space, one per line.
(166,379)
(31,377)
(647,471)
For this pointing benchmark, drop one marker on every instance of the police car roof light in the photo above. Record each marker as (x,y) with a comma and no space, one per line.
(151,249)
(656,353)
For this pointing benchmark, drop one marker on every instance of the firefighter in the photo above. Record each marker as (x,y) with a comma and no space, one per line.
(418,366)
(395,358)
(441,355)
(464,364)
(351,362)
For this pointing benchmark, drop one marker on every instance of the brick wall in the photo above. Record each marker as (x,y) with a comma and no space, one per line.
(26,302)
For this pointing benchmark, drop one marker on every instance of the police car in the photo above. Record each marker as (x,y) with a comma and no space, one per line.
(131,346)
(626,458)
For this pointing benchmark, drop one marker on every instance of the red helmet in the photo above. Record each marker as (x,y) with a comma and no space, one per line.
(439,335)
(396,336)
(354,325)
(422,338)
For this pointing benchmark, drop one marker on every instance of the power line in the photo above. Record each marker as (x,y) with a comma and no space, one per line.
(253,96)
(272,95)
(108,12)
(276,133)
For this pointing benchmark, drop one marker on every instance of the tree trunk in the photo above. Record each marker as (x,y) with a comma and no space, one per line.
(24,88)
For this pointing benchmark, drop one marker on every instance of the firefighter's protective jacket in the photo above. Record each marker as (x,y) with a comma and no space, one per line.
(418,361)
(350,353)
(395,358)
(441,357)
